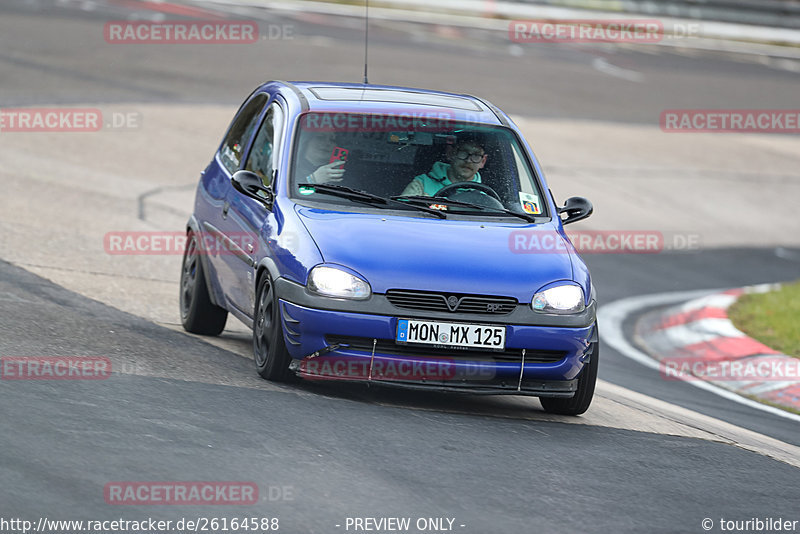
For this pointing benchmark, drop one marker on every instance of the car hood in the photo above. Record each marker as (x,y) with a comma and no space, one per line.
(395,252)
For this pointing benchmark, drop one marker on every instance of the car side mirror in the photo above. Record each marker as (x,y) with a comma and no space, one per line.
(249,183)
(576,208)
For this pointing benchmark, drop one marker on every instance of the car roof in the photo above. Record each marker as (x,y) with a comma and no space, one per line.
(386,99)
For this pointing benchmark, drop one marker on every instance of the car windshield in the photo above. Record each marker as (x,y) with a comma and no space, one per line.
(464,168)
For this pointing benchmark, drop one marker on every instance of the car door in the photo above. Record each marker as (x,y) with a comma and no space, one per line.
(247,216)
(218,229)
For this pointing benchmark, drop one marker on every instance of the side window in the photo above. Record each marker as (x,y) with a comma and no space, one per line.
(263,154)
(239,133)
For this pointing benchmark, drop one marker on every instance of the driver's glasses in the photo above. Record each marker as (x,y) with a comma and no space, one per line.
(474,157)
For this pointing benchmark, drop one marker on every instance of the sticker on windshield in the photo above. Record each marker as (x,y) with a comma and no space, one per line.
(306,190)
(530,203)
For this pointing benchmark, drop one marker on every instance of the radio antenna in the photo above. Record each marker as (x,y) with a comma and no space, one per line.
(366,39)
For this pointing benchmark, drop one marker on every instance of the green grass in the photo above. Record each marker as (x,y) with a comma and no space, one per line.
(772,318)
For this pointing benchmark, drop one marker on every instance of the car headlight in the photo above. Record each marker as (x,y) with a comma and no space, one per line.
(560,299)
(333,282)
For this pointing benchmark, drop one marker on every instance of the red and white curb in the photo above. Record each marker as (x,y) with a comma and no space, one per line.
(615,316)
(695,340)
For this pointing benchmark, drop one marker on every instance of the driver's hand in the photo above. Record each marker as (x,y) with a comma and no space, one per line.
(328,173)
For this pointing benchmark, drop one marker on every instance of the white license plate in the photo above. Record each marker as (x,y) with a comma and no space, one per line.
(479,336)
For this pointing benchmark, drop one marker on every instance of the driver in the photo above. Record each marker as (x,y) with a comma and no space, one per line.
(464,160)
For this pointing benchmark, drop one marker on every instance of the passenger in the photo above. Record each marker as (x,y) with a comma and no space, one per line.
(313,159)
(465,159)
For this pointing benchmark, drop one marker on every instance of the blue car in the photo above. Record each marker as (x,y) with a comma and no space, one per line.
(392,236)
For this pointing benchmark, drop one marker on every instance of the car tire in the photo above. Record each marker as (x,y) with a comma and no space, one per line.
(269,348)
(198,314)
(583,396)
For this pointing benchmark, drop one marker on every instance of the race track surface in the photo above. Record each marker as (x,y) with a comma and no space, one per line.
(650,455)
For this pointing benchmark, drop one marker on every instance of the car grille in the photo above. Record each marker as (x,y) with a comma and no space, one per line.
(451,302)
(387,346)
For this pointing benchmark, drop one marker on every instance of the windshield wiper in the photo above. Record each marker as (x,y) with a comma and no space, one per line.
(414,199)
(368,198)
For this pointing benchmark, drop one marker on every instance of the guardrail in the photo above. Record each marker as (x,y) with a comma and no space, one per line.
(776,13)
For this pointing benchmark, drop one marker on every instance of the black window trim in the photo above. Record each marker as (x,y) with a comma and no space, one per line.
(245,151)
(277,99)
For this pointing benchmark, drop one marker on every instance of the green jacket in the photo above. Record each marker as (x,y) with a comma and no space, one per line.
(437,178)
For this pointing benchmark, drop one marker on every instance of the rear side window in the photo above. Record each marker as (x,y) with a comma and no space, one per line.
(240,132)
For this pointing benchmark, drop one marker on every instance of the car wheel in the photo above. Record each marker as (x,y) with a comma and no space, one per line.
(269,348)
(198,314)
(583,396)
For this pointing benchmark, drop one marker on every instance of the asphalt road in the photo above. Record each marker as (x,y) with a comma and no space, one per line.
(181,409)
(630,275)
(324,454)
(58,55)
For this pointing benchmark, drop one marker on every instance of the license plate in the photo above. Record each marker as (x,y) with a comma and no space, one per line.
(478,336)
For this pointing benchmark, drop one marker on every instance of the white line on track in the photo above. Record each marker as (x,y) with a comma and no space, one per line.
(612,316)
(605,67)
(787,254)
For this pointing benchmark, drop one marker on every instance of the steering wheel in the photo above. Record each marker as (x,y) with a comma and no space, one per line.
(446,190)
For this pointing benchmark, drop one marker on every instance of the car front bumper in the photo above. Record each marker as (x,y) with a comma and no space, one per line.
(338,345)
